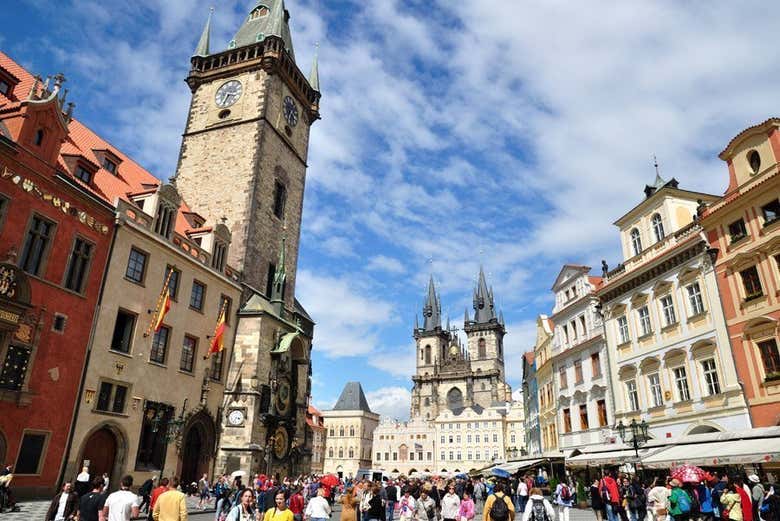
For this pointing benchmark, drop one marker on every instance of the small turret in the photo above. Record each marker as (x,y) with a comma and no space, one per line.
(203,44)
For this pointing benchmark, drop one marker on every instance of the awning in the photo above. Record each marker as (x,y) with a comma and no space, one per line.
(284,343)
(514,466)
(757,450)
(613,457)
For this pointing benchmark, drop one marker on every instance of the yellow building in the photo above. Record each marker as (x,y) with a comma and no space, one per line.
(548,410)
(350,426)
(670,355)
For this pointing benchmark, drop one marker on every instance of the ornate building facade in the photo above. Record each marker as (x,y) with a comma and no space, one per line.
(545,382)
(350,432)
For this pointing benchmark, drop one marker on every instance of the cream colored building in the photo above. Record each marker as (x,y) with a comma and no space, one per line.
(404,447)
(151,404)
(670,355)
(545,381)
(350,432)
(316,424)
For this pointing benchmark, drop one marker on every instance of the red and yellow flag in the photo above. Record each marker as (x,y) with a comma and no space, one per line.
(217,343)
(164,308)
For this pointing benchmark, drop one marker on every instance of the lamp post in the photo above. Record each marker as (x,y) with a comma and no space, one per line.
(171,429)
(638,433)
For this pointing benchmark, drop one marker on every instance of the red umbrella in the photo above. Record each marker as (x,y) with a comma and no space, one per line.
(688,473)
(330,480)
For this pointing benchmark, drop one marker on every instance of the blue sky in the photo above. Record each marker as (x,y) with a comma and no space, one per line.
(498,132)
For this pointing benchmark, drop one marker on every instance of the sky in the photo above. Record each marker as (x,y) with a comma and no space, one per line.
(503,133)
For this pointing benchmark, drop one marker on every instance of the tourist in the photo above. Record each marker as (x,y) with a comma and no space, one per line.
(204,491)
(91,504)
(425,507)
(450,504)
(376,508)
(297,504)
(538,508)
(596,503)
(82,481)
(658,501)
(244,510)
(732,503)
(637,500)
(64,505)
(106,480)
(770,508)
(391,493)
(498,506)
(122,505)
(348,503)
(756,494)
(744,491)
(563,500)
(172,504)
(611,496)
(145,491)
(466,512)
(156,492)
(318,508)
(680,502)
(406,506)
(706,505)
(522,494)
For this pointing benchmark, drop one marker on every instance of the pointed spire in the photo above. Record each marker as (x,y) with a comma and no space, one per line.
(203,44)
(483,300)
(266,18)
(466,318)
(276,22)
(416,322)
(448,322)
(501,317)
(431,309)
(314,76)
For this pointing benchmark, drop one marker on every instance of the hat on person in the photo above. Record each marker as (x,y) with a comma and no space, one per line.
(754,478)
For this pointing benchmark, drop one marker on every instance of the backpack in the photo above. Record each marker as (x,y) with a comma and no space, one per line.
(538,510)
(499,511)
(565,493)
(684,502)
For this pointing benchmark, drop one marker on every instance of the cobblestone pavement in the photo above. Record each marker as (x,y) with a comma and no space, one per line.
(575,514)
(36,510)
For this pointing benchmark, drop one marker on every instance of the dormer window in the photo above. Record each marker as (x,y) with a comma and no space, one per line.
(109,165)
(754,160)
(219,256)
(83,175)
(658,227)
(165,220)
(39,134)
(258,12)
(5,88)
(636,241)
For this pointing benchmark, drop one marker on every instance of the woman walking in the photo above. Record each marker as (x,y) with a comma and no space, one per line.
(596,501)
(348,503)
(245,509)
(732,503)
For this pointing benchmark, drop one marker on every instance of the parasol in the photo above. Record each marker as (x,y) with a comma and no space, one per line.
(688,473)
(330,480)
(238,474)
(500,473)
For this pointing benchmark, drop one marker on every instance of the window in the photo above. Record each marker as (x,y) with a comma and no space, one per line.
(583,328)
(476,455)
(5,88)
(379,456)
(387,456)
(122,338)
(751,283)
(165,220)
(584,417)
(78,265)
(31,452)
(667,305)
(36,245)
(694,297)
(481,349)
(39,135)
(452,455)
(188,348)
(566,420)
(754,160)
(633,395)
(451,439)
(512,438)
(654,382)
(770,357)
(197,295)
(225,304)
(83,175)
(681,381)
(737,230)
(636,241)
(351,431)
(352,452)
(332,432)
(219,256)
(566,333)
(330,452)
(658,227)
(442,439)
(280,199)
(476,438)
(109,165)
(711,376)
(341,431)
(3,209)
(111,398)
(622,323)
(173,281)
(573,325)
(578,379)
(14,368)
(644,320)
(771,212)
(601,405)
(595,365)
(457,438)
(152,444)
(136,266)
(159,345)
(562,377)
(430,456)
(58,324)
(217,362)
(495,438)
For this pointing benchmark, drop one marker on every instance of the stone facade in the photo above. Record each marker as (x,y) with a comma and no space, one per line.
(404,447)
(348,443)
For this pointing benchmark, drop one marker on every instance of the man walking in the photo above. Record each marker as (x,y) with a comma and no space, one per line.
(391,491)
(64,504)
(91,504)
(122,505)
(171,505)
(522,494)
(498,506)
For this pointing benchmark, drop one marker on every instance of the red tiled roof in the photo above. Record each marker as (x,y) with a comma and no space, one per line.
(597,282)
(130,178)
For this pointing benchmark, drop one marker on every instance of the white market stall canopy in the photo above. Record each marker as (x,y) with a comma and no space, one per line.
(514,466)
(733,452)
(612,457)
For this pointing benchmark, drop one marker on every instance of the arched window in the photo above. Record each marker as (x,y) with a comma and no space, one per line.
(341,431)
(341,452)
(427,354)
(427,401)
(39,137)
(351,431)
(481,350)
(422,354)
(454,399)
(636,241)
(658,227)
(330,452)
(351,452)
(332,431)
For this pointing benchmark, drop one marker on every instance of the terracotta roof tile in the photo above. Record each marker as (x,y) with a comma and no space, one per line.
(597,282)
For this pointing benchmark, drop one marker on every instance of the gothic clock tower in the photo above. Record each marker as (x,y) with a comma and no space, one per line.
(243,160)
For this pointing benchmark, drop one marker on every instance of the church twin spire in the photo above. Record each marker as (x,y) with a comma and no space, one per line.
(431,309)
(484,305)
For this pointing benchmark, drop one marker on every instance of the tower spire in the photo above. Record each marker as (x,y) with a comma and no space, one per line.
(484,308)
(203,44)
(431,308)
(314,76)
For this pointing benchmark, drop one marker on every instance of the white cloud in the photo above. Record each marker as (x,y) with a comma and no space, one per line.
(400,362)
(521,337)
(394,402)
(385,263)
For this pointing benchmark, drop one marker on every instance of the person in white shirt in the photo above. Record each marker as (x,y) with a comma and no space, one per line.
(538,508)
(522,495)
(123,504)
(318,508)
(450,504)
(406,506)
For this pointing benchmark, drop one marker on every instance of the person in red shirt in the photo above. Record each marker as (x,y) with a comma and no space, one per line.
(609,491)
(297,504)
(156,493)
(745,501)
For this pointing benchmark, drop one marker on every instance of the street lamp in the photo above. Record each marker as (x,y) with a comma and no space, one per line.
(638,433)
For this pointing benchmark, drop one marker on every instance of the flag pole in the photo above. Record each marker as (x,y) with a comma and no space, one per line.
(219,321)
(159,301)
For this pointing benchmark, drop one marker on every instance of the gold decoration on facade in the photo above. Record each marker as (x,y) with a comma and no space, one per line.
(89,395)
(7,282)
(119,367)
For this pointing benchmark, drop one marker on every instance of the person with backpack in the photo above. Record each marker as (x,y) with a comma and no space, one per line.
(680,502)
(706,506)
(756,495)
(563,500)
(608,488)
(425,508)
(498,506)
(538,508)
(637,500)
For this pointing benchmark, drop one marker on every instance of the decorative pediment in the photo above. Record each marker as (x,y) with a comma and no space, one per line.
(649,365)
(598,391)
(615,310)
(703,347)
(673,355)
(662,287)
(772,246)
(580,396)
(743,260)
(690,272)
(637,299)
(627,371)
(569,274)
(564,400)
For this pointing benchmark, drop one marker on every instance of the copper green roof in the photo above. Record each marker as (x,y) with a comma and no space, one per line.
(203,44)
(266,18)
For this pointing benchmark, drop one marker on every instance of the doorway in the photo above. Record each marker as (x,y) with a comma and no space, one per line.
(100,449)
(192,455)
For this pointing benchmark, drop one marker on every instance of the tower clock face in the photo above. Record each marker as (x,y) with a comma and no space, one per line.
(236,417)
(290,111)
(228,93)
(283,397)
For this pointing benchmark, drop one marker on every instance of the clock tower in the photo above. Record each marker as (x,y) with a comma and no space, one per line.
(243,160)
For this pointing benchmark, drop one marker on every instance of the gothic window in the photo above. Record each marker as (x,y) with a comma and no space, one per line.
(219,256)
(341,431)
(341,452)
(351,432)
(658,227)
(454,399)
(36,245)
(332,433)
(351,452)
(636,241)
(280,199)
(78,265)
(427,354)
(165,220)
(481,350)
(330,452)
